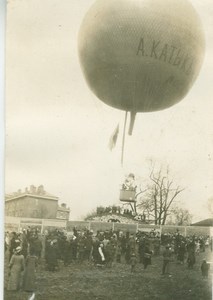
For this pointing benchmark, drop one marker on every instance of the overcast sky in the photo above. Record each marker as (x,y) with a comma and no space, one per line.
(57,131)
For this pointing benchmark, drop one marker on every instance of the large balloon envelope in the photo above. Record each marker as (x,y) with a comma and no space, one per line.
(141,55)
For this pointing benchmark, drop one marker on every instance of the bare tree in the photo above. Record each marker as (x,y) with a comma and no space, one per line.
(181,217)
(161,194)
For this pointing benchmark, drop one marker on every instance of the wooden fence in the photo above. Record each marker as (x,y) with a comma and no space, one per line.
(18,224)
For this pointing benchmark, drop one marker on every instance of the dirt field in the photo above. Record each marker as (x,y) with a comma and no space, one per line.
(87,282)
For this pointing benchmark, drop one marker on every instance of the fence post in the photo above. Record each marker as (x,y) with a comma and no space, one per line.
(113,226)
(136,227)
(42,227)
(19,226)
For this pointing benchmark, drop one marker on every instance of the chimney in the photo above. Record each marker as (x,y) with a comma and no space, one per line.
(32,189)
(40,190)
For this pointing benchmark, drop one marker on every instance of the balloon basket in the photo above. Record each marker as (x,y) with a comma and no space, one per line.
(127,196)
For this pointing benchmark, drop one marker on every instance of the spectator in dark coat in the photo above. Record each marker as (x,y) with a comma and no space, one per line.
(52,256)
(36,246)
(67,254)
(191,258)
(141,248)
(147,256)
(205,269)
(109,251)
(181,252)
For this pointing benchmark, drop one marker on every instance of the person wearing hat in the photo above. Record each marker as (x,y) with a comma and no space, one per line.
(52,255)
(14,243)
(133,262)
(101,255)
(16,267)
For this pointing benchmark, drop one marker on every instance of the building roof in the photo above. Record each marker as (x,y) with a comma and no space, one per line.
(206,222)
(46,196)
(35,192)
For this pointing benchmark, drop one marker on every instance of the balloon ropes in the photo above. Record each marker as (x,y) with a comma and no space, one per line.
(141,55)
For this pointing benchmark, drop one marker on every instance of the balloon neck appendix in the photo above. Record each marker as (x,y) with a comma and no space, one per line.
(141,55)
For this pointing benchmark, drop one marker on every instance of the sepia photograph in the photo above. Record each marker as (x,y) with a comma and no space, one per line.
(108,158)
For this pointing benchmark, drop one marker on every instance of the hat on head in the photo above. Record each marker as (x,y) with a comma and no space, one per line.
(18,249)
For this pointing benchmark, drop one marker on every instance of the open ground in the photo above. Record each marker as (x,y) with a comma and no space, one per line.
(88,282)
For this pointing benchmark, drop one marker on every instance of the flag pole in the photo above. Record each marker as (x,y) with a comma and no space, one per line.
(123,140)
(132,121)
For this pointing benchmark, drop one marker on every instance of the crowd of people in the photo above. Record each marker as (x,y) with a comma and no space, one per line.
(185,248)
(118,211)
(28,249)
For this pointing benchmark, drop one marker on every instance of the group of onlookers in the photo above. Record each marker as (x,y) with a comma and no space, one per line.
(29,248)
(185,249)
(23,258)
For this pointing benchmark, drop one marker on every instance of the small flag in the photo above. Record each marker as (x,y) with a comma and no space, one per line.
(113,138)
